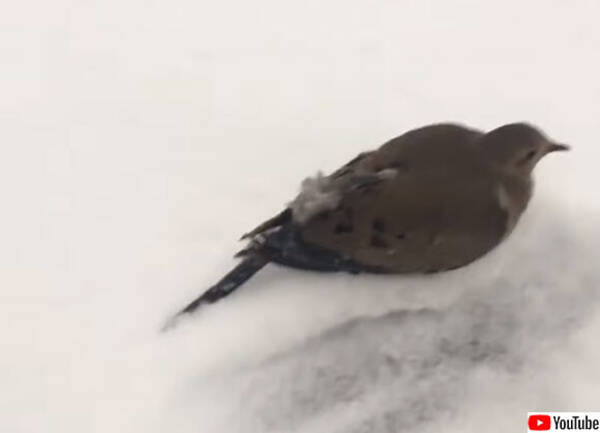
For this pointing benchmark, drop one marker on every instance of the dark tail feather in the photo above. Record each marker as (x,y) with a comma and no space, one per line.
(251,264)
(230,282)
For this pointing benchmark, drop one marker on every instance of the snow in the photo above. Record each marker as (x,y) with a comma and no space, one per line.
(140,139)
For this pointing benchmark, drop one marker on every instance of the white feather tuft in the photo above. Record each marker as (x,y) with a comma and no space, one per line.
(317,194)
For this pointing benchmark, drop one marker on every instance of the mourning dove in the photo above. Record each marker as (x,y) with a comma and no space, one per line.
(433,199)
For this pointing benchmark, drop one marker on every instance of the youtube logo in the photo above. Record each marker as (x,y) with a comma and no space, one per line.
(539,422)
(572,422)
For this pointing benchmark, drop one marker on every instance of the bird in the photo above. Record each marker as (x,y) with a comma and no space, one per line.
(433,199)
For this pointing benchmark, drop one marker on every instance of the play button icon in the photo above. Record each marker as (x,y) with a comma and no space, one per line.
(539,422)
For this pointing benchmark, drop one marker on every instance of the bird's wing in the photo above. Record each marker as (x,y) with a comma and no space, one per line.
(433,219)
(320,194)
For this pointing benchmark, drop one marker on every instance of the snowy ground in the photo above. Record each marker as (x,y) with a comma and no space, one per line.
(141,138)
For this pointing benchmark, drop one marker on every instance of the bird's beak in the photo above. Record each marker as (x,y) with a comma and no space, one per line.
(557,147)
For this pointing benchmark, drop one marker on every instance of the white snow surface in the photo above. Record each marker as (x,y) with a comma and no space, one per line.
(140,139)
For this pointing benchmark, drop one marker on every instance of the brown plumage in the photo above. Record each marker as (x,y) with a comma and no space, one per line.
(433,199)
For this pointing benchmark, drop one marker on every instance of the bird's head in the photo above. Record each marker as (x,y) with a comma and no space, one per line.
(517,147)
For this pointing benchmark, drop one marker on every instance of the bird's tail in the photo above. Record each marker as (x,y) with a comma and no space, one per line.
(252,263)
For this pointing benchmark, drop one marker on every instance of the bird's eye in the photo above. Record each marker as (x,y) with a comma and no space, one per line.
(529,156)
